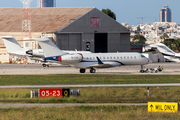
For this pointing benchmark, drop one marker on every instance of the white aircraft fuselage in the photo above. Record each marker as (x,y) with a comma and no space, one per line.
(89,60)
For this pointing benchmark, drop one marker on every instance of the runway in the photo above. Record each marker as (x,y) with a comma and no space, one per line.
(20,69)
(30,105)
(89,85)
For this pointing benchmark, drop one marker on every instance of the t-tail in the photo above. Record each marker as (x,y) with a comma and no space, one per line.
(53,53)
(12,45)
(49,48)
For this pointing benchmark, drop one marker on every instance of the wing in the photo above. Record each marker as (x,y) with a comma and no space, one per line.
(97,64)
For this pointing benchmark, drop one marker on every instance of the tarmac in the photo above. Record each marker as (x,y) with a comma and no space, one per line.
(20,69)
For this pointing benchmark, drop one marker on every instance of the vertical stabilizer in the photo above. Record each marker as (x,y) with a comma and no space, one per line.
(11,44)
(49,48)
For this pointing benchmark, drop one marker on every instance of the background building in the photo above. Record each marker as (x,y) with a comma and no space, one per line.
(81,28)
(165,14)
(46,3)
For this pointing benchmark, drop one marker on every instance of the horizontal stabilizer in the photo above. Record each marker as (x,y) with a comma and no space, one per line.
(49,48)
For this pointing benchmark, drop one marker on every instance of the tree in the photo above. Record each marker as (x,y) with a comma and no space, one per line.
(109,13)
(138,39)
(169,43)
(164,36)
(176,45)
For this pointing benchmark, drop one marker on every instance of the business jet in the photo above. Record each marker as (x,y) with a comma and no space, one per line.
(13,48)
(89,60)
(168,54)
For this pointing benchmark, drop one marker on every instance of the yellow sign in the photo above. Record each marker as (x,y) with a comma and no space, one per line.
(162,107)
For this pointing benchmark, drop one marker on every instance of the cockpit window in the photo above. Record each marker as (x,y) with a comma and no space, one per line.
(142,56)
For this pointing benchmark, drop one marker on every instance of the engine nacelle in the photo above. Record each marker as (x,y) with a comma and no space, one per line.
(36,52)
(71,58)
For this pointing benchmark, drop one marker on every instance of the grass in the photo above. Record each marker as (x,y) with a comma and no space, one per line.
(97,95)
(86,79)
(90,95)
(85,113)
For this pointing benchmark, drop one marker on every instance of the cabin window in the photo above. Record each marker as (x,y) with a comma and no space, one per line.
(117,57)
(134,57)
(114,57)
(107,57)
(93,57)
(124,57)
(100,58)
(128,57)
(104,58)
(110,57)
(131,57)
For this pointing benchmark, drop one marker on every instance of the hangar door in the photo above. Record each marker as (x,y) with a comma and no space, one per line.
(69,41)
(100,42)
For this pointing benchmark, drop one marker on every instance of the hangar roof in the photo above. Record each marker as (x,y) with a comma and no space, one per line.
(42,19)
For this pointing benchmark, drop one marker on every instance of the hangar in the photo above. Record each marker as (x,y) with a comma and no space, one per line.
(80,28)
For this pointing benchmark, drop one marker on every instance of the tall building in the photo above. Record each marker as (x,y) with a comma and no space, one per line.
(165,14)
(46,3)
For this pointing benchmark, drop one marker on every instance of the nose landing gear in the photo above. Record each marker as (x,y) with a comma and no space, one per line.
(82,70)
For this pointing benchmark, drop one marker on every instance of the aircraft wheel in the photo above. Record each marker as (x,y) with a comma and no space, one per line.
(44,65)
(82,70)
(47,65)
(92,70)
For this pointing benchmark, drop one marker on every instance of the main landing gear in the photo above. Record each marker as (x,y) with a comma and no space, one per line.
(92,70)
(44,65)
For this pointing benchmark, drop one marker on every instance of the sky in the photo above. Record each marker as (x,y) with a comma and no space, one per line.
(127,11)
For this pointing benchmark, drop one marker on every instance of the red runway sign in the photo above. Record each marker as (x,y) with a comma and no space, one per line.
(55,92)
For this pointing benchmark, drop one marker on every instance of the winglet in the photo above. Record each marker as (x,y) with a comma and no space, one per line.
(99,61)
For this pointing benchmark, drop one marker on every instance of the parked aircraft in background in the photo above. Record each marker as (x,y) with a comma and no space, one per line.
(13,48)
(89,60)
(168,54)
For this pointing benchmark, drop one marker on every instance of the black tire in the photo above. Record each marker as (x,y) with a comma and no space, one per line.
(44,65)
(92,70)
(82,70)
